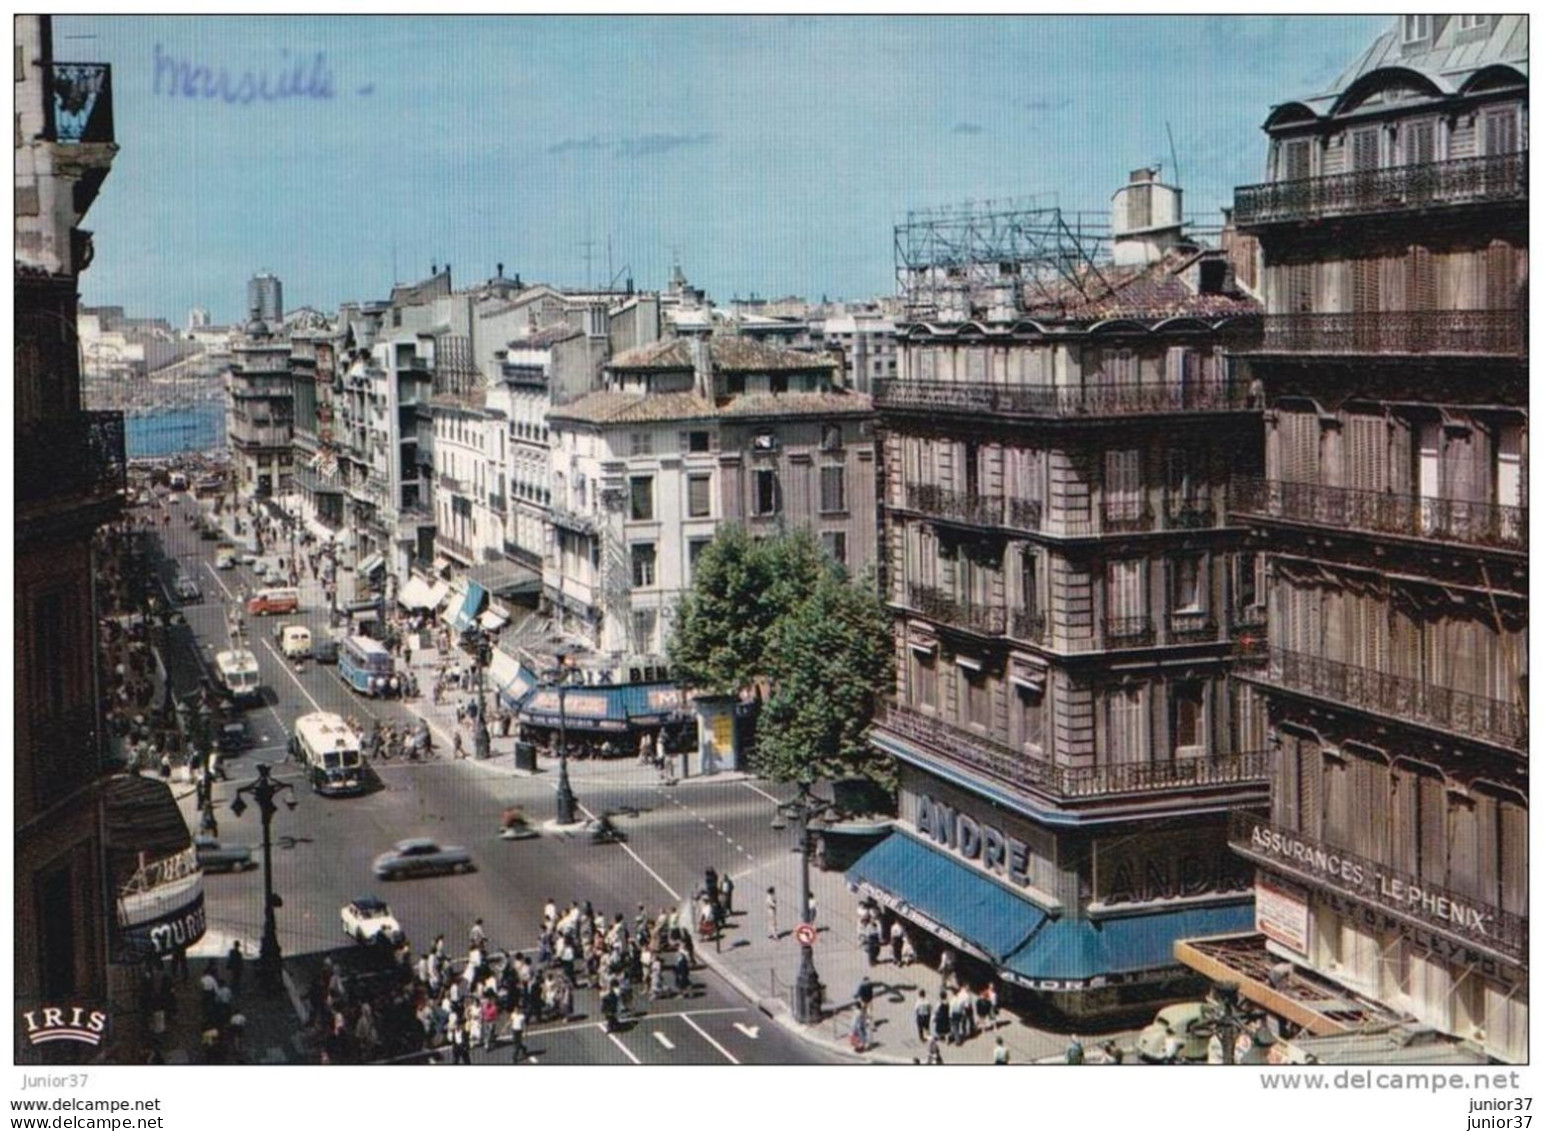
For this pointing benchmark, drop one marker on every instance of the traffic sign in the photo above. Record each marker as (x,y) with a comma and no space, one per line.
(805,934)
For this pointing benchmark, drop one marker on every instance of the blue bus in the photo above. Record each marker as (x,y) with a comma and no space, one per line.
(367,667)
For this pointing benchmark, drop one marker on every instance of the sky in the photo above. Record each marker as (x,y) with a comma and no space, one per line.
(770,155)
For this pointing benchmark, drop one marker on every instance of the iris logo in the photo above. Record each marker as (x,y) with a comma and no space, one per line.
(65,1023)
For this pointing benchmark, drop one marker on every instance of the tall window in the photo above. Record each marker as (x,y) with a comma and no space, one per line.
(1127,596)
(699,496)
(1188,707)
(694,550)
(924,677)
(1296,159)
(765,501)
(642,443)
(1122,484)
(1029,718)
(1028,581)
(974,699)
(1250,580)
(642,498)
(644,622)
(698,442)
(1188,593)
(830,438)
(834,542)
(643,565)
(833,493)
(1127,725)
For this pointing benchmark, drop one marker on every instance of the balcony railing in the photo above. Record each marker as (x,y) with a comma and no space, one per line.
(1407,516)
(1025,514)
(1128,632)
(1473,333)
(455,546)
(1093,399)
(995,759)
(1191,515)
(1028,626)
(1467,180)
(1444,708)
(79,103)
(571,520)
(955,506)
(1452,912)
(1190,628)
(1123,518)
(71,459)
(985,620)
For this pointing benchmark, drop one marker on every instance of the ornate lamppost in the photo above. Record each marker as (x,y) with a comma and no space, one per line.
(482,652)
(1226,1018)
(805,809)
(263,791)
(567,804)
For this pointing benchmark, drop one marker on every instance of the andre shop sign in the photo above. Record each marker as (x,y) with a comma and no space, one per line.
(990,846)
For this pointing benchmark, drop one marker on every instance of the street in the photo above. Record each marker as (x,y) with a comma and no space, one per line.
(323,849)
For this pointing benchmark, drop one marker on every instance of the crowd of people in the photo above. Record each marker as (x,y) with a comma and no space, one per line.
(445,1004)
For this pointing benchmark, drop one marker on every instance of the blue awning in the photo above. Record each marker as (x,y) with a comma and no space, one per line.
(1076,951)
(604,708)
(957,903)
(467,612)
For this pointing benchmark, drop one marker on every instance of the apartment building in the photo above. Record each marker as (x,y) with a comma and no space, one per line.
(260,413)
(691,432)
(1392,865)
(1070,591)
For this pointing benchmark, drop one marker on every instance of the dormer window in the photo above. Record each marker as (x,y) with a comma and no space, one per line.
(830,438)
(764,441)
(1470,23)
(1416,28)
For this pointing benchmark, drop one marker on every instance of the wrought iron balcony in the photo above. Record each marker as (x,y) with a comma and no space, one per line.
(1025,514)
(954,506)
(454,546)
(1373,881)
(1380,512)
(1467,180)
(1090,400)
(71,460)
(1459,333)
(451,483)
(1190,628)
(984,620)
(1028,626)
(1190,514)
(1400,697)
(571,520)
(1119,518)
(79,99)
(1128,632)
(983,754)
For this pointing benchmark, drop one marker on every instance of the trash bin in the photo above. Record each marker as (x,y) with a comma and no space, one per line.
(525,756)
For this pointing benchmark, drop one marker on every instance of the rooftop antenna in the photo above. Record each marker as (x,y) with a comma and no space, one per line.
(589,263)
(610,267)
(1174,154)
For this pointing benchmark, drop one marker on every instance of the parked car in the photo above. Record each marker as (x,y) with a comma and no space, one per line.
(421,857)
(260,568)
(208,530)
(1181,1019)
(369,920)
(324,650)
(187,589)
(213,856)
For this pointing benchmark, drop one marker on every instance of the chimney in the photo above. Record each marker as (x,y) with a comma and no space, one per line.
(702,364)
(1147,219)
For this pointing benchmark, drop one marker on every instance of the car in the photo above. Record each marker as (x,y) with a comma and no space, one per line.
(325,650)
(1181,1018)
(421,857)
(233,737)
(260,568)
(369,920)
(187,589)
(214,856)
(225,558)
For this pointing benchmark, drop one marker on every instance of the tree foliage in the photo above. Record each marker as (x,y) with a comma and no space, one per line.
(832,661)
(779,615)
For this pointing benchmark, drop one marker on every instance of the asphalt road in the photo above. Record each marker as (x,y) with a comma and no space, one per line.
(324,847)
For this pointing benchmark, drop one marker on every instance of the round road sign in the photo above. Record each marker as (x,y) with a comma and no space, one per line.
(805,934)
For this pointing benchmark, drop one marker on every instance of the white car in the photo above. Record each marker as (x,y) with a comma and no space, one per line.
(369,920)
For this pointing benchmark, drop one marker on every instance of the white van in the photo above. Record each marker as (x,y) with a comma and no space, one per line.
(295,641)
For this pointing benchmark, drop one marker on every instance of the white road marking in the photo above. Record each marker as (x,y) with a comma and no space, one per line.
(663,1040)
(751,1031)
(727,1055)
(268,644)
(617,1042)
(220,581)
(757,789)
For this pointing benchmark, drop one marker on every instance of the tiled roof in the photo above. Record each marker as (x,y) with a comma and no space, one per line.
(610,407)
(797,404)
(1452,55)
(546,336)
(730,353)
(1143,291)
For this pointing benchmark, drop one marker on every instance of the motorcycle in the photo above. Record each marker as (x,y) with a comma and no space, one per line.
(602,831)
(515,826)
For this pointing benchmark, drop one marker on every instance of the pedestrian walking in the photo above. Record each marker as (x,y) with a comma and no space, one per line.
(726,893)
(896,941)
(934,1052)
(771,913)
(999,1055)
(923,1017)
(235,964)
(517,1031)
(940,1028)
(871,945)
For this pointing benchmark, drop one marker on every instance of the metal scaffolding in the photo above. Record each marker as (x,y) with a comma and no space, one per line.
(995,257)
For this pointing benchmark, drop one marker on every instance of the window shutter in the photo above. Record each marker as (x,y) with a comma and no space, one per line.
(1513,858)
(1286,804)
(1420,281)
(1433,830)
(1366,293)
(1500,291)
(1500,132)
(1487,873)
(1419,142)
(1364,149)
(1311,788)
(1463,845)
(1405,830)
(1297,160)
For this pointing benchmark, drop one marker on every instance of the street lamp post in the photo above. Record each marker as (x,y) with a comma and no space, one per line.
(1226,1018)
(808,993)
(263,791)
(567,804)
(482,646)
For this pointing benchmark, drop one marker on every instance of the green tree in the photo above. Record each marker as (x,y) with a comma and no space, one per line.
(832,660)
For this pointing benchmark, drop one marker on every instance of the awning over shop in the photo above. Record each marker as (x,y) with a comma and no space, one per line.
(604,708)
(503,669)
(494,617)
(370,565)
(959,904)
(419,594)
(321,531)
(1068,950)
(470,606)
(505,578)
(157,882)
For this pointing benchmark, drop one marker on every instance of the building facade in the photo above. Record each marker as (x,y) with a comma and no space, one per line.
(1392,865)
(1070,591)
(265,297)
(690,433)
(260,414)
